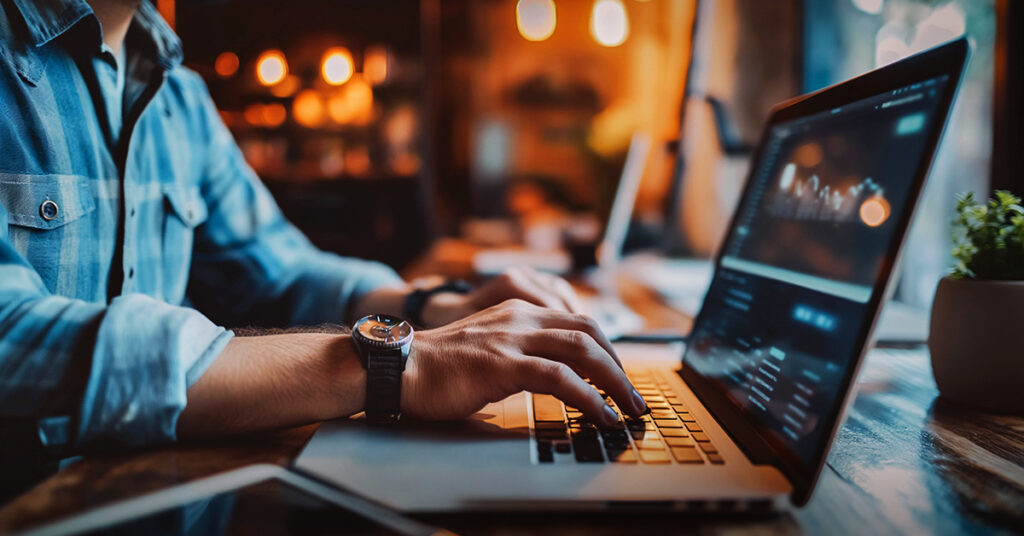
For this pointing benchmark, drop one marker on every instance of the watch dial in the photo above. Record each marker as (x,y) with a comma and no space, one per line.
(383,328)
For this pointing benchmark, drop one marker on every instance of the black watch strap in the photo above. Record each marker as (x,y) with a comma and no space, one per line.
(384,386)
(412,309)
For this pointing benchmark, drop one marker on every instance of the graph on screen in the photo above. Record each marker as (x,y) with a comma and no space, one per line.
(806,196)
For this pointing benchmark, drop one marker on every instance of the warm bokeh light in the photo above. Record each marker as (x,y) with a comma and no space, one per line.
(226,64)
(375,65)
(265,115)
(271,67)
(308,109)
(353,104)
(287,87)
(609,24)
(274,114)
(254,114)
(535,19)
(337,66)
(874,211)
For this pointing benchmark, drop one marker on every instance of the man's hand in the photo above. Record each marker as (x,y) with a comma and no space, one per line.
(525,284)
(455,370)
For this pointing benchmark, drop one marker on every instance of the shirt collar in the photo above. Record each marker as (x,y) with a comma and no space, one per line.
(48,19)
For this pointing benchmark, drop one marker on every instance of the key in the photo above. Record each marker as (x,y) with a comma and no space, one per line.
(716,459)
(551,434)
(701,437)
(616,444)
(585,433)
(693,427)
(709,448)
(649,445)
(654,456)
(686,455)
(661,414)
(668,423)
(587,450)
(674,432)
(547,408)
(679,442)
(635,424)
(544,454)
(622,456)
(645,435)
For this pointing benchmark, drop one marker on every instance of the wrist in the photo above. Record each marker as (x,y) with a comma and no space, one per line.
(444,308)
(344,379)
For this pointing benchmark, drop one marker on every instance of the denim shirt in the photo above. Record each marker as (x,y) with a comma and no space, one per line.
(123,253)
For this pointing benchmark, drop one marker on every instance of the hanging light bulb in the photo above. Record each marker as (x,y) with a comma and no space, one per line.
(609,24)
(535,19)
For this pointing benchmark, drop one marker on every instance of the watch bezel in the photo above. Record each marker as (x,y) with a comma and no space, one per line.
(377,344)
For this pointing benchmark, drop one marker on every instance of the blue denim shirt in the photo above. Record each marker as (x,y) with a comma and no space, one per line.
(123,253)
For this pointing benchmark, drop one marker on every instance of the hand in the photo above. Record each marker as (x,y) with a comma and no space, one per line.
(525,284)
(456,370)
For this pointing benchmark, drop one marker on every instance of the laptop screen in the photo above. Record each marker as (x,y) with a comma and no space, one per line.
(783,319)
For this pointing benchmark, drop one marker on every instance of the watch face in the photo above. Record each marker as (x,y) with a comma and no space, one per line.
(384,329)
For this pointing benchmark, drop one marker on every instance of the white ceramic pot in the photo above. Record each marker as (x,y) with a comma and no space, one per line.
(976,341)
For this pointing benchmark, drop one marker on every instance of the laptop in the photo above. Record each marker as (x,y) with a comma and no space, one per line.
(495,261)
(605,306)
(742,418)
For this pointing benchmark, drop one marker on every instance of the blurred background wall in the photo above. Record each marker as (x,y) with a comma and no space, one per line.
(382,125)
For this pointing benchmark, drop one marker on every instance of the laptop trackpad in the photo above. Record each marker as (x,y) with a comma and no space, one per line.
(497,433)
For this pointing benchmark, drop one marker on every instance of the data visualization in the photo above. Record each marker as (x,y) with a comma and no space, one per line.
(830,184)
(789,303)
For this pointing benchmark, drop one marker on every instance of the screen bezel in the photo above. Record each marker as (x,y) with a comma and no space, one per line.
(756,440)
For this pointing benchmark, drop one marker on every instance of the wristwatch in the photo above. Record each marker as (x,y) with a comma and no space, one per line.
(383,343)
(417,299)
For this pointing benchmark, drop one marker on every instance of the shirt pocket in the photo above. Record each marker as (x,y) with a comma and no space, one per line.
(185,210)
(48,223)
(187,204)
(45,202)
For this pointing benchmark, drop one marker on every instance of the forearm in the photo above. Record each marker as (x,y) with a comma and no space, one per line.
(275,381)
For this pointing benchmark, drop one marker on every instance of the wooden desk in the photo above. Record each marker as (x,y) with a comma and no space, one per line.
(904,462)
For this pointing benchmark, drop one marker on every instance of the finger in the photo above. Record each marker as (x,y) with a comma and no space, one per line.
(579,322)
(581,352)
(543,376)
(514,284)
(559,288)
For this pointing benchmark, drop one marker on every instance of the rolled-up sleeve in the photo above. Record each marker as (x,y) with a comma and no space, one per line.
(74,374)
(250,265)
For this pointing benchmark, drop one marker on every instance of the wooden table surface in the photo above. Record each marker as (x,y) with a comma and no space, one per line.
(904,462)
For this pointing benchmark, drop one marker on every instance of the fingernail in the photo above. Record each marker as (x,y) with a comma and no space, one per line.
(610,415)
(638,403)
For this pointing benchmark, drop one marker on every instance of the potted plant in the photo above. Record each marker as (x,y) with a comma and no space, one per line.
(976,336)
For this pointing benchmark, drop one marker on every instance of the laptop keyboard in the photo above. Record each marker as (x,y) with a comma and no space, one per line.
(668,434)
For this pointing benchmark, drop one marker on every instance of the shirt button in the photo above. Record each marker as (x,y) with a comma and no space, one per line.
(132,212)
(49,210)
(131,273)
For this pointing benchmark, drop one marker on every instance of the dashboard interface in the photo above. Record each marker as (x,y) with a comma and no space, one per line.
(782,318)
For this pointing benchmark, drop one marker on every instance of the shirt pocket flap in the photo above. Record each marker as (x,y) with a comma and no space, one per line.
(187,204)
(45,201)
